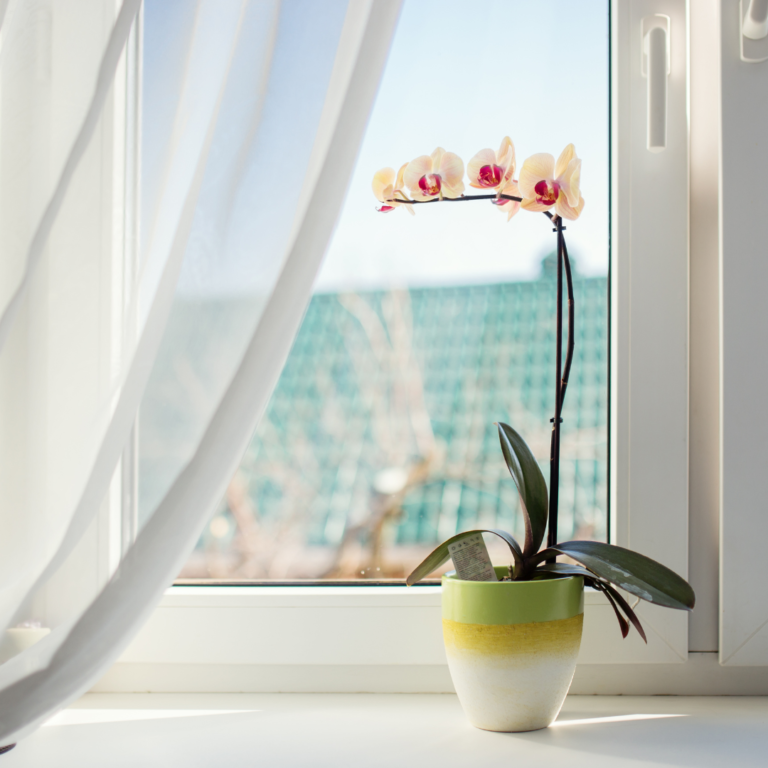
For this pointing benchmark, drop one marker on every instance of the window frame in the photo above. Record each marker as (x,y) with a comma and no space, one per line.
(97,554)
(353,638)
(743,621)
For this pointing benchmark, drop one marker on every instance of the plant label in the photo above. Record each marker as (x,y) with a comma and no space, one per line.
(471,559)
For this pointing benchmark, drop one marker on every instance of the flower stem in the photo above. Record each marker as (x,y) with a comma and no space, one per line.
(571,335)
(554,453)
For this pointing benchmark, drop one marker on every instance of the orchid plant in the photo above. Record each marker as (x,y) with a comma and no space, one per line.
(551,187)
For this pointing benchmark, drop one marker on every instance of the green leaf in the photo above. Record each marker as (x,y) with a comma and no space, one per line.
(633,572)
(566,569)
(440,555)
(530,484)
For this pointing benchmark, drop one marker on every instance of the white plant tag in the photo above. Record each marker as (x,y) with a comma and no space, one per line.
(471,559)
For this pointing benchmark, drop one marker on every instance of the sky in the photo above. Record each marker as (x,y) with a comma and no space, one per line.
(462,76)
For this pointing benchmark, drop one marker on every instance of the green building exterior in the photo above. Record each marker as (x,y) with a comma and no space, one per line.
(382,423)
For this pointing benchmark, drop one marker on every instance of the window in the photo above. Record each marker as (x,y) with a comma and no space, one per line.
(357,633)
(379,439)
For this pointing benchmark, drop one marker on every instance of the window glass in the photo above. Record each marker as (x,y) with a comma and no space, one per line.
(379,440)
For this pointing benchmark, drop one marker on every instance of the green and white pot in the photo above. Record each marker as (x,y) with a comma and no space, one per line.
(512,647)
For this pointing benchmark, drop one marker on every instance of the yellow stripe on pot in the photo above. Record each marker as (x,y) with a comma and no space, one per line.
(520,643)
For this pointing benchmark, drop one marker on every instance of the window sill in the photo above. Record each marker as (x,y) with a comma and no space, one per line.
(379,639)
(385,730)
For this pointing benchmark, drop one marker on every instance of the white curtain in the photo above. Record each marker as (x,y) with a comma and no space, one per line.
(161,296)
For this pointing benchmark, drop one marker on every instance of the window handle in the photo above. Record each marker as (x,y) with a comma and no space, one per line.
(755,25)
(754,31)
(656,69)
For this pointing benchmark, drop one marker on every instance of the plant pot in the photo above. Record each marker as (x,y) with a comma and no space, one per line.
(512,647)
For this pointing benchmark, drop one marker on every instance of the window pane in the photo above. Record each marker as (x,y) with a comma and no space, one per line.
(379,440)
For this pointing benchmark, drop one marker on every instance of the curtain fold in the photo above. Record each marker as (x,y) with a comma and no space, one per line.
(179,210)
(209,252)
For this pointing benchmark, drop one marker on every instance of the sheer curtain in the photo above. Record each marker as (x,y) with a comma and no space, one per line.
(170,311)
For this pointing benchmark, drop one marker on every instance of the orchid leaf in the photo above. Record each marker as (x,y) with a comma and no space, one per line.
(633,572)
(530,484)
(566,569)
(624,605)
(623,623)
(440,555)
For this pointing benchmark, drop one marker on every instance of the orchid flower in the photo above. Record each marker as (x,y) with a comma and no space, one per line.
(544,183)
(388,189)
(510,207)
(492,170)
(435,175)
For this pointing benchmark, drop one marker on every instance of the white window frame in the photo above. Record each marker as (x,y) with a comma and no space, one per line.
(324,638)
(102,242)
(743,640)
(649,339)
(98,554)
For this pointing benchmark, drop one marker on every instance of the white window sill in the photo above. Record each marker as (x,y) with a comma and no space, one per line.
(341,639)
(390,729)
(381,640)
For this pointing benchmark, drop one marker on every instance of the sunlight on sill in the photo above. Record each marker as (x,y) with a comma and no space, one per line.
(95,716)
(613,719)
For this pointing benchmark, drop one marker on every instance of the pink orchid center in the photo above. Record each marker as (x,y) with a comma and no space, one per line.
(431,184)
(490,175)
(386,208)
(547,192)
